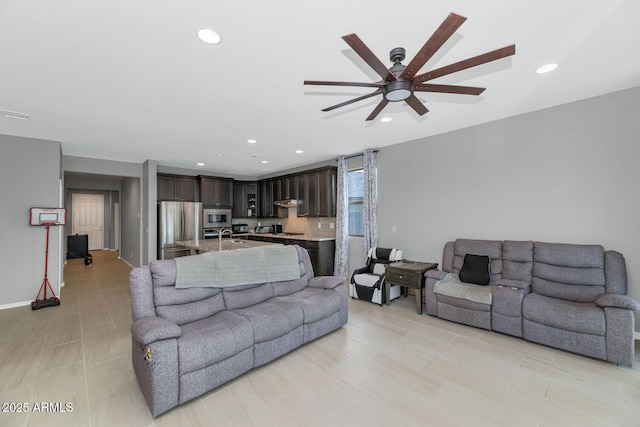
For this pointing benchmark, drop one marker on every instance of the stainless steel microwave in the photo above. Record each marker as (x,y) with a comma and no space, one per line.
(216,218)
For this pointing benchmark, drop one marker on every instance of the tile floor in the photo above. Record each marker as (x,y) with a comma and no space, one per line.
(71,366)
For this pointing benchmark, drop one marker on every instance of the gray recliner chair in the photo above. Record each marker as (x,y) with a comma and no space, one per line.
(368,282)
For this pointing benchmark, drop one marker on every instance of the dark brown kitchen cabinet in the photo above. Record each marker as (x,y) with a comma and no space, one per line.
(321,252)
(216,192)
(317,193)
(267,195)
(303,195)
(285,188)
(266,206)
(177,187)
(245,199)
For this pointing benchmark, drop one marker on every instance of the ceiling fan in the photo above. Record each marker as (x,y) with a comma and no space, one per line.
(400,82)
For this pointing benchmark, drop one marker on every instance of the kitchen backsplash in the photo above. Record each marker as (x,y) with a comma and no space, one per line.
(316,227)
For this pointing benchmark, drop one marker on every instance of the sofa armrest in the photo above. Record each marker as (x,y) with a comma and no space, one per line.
(617,301)
(151,329)
(360,270)
(326,282)
(514,284)
(435,274)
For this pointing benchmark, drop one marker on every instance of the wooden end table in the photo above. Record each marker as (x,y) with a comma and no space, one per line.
(408,274)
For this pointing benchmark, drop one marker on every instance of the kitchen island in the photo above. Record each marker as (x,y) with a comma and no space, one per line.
(321,249)
(213,245)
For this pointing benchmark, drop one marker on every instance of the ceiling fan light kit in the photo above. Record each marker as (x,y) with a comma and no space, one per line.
(399,83)
(398,90)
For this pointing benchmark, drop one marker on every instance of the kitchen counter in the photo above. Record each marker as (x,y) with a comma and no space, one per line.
(290,236)
(211,245)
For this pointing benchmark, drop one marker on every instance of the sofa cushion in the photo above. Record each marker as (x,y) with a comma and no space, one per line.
(289,286)
(273,318)
(583,317)
(476,269)
(452,287)
(163,272)
(247,295)
(567,271)
(517,260)
(182,306)
(213,339)
(316,303)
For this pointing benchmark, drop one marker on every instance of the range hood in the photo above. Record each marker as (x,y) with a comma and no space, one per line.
(286,203)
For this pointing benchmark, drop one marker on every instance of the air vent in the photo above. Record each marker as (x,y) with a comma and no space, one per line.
(15,115)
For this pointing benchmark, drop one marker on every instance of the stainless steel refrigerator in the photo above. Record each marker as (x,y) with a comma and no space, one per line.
(178,221)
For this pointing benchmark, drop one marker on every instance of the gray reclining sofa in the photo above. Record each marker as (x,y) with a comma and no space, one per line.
(567,296)
(187,341)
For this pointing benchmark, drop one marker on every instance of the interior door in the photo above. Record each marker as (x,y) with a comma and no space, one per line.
(88,218)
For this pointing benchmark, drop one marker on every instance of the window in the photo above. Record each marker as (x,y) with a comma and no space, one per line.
(355,195)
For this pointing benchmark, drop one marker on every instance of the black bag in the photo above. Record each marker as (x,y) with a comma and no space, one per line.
(88,260)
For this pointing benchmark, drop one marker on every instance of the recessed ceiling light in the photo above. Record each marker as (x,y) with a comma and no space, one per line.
(221,155)
(209,36)
(200,164)
(264,162)
(386,119)
(299,151)
(547,68)
(251,141)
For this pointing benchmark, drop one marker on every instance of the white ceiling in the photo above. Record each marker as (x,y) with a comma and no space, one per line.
(129,80)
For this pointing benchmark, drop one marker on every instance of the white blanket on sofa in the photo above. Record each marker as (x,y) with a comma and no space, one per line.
(453,287)
(238,267)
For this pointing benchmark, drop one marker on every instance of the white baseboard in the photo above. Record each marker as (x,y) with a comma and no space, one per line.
(15,304)
(637,335)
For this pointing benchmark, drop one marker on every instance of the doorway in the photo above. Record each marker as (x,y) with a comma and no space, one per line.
(88,218)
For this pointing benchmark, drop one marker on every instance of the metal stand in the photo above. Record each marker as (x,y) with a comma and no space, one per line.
(51,301)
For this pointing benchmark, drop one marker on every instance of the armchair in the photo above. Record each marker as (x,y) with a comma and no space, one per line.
(368,282)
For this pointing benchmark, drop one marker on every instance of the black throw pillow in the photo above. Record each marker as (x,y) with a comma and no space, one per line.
(476,269)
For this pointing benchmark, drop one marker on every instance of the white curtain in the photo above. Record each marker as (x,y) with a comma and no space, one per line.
(341,261)
(370,200)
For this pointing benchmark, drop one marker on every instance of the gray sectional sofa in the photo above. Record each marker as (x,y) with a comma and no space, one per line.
(567,296)
(187,341)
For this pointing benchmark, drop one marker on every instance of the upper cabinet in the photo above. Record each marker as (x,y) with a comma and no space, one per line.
(267,208)
(317,193)
(286,188)
(216,192)
(245,199)
(177,187)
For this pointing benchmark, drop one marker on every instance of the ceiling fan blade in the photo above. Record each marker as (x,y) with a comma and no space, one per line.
(464,90)
(416,105)
(365,53)
(435,42)
(467,63)
(328,83)
(377,110)
(351,101)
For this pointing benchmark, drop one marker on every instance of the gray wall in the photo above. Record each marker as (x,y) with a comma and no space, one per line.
(149,211)
(30,176)
(131,243)
(565,174)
